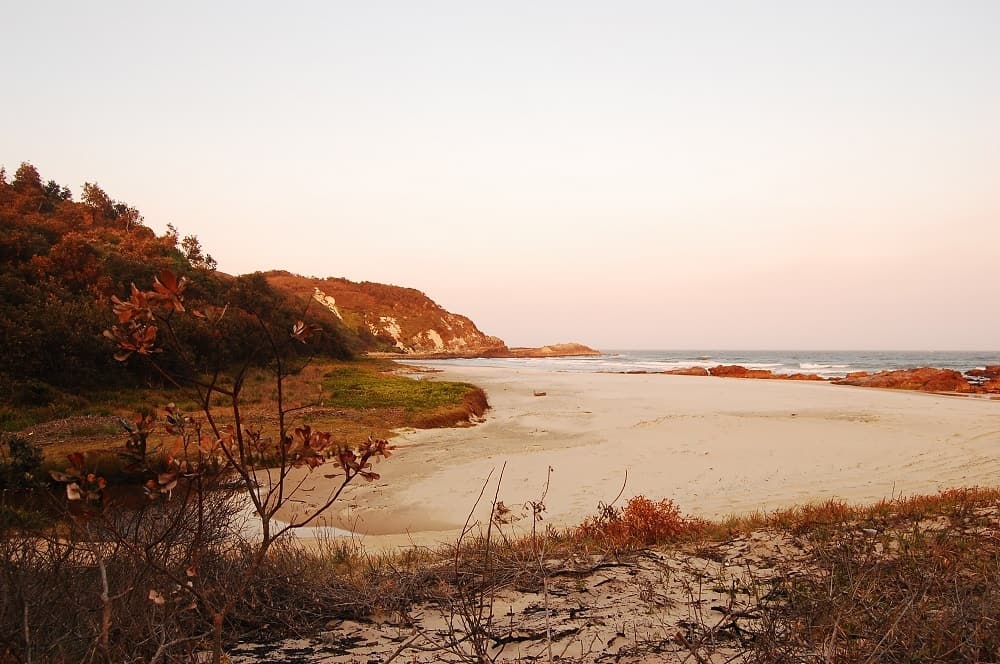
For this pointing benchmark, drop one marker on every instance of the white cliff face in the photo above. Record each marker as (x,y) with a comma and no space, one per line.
(391,327)
(413,322)
(435,338)
(327,301)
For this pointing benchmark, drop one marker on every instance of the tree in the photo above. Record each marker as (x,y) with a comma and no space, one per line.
(195,255)
(95,197)
(212,451)
(27,178)
(55,192)
(171,236)
(127,216)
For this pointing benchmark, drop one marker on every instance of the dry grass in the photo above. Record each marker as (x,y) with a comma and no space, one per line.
(910,579)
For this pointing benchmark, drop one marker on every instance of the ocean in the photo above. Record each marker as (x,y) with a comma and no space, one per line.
(825,363)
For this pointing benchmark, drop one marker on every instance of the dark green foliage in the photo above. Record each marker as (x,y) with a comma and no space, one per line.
(20,463)
(60,262)
(253,295)
(31,392)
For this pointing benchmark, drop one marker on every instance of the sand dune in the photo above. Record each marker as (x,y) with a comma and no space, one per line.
(716,446)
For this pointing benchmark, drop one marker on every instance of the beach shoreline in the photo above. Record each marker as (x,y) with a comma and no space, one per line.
(715,446)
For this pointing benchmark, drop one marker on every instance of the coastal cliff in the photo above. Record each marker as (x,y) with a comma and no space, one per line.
(393,320)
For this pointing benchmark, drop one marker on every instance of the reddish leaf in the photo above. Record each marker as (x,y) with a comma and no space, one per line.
(302,332)
(165,282)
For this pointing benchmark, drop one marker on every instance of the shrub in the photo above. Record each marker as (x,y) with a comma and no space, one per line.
(186,551)
(31,393)
(642,522)
(20,462)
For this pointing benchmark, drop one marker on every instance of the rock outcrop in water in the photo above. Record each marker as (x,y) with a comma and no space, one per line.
(688,371)
(553,350)
(737,371)
(924,379)
(990,372)
(986,379)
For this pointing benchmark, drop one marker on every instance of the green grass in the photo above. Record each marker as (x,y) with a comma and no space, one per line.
(352,400)
(355,387)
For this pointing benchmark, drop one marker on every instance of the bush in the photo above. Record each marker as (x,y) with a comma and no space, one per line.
(642,522)
(199,536)
(31,393)
(20,463)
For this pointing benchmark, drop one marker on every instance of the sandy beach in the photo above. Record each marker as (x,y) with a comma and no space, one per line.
(715,446)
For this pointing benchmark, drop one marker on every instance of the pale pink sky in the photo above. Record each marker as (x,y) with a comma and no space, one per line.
(628,175)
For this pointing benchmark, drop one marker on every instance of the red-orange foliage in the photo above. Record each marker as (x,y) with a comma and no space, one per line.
(61,259)
(208,450)
(642,522)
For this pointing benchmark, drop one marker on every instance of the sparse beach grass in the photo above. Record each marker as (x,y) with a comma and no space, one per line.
(909,579)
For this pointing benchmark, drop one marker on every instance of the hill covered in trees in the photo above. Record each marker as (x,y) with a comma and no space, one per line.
(392,318)
(61,260)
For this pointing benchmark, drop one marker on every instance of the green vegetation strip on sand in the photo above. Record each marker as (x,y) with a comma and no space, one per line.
(352,387)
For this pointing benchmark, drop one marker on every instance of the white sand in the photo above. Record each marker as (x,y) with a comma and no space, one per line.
(716,446)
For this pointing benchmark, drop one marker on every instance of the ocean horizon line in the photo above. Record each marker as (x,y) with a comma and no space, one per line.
(823,363)
(736,349)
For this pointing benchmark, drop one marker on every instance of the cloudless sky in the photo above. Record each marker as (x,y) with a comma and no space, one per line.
(625,174)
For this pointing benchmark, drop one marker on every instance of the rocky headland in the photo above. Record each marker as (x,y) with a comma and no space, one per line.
(392,321)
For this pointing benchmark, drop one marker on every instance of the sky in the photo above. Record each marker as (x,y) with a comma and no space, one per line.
(742,175)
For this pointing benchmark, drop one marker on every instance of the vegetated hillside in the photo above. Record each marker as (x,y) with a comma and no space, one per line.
(60,262)
(391,318)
